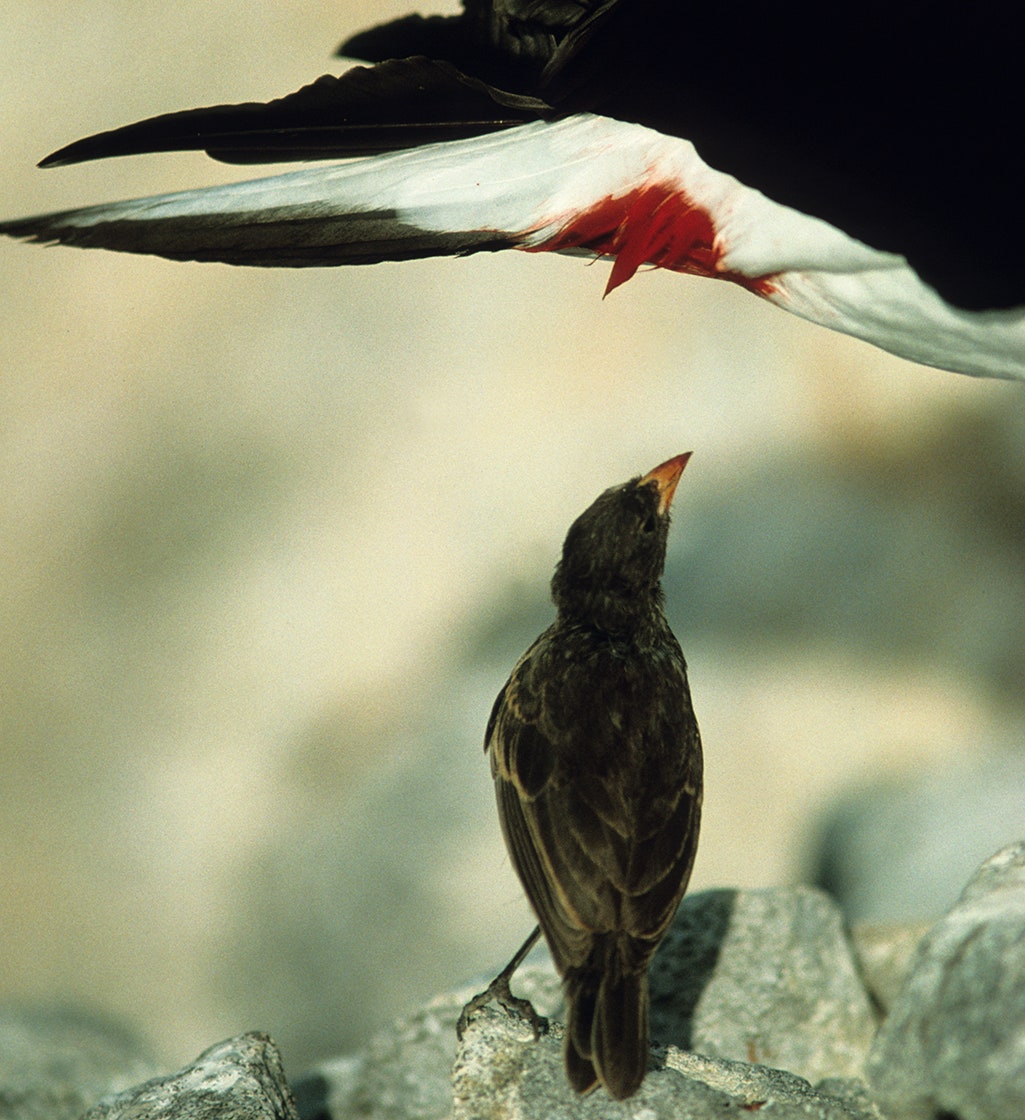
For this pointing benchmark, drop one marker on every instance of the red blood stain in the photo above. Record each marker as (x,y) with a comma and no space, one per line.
(655,224)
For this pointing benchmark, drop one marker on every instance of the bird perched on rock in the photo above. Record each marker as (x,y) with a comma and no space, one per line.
(596,758)
(855,164)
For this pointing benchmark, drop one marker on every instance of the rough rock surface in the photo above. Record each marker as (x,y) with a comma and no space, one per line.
(759,1005)
(239,1079)
(764,976)
(763,971)
(56,1063)
(954,1041)
(502,1073)
(405,1073)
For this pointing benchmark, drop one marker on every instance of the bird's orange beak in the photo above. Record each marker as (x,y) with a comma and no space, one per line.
(665,478)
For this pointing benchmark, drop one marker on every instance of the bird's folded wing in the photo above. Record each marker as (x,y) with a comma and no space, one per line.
(568,939)
(581,872)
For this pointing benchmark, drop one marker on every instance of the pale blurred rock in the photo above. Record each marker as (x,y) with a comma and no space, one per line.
(239,1079)
(900,849)
(884,954)
(763,976)
(56,1063)
(954,1041)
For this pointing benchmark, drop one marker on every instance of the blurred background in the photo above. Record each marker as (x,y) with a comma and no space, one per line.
(270,543)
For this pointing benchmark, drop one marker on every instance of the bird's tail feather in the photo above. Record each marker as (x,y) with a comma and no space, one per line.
(607,1029)
(521,187)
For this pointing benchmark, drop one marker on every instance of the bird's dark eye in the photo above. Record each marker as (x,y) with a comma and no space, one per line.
(649,524)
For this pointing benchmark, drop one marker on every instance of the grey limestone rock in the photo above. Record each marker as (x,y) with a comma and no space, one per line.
(405,1072)
(239,1079)
(56,1063)
(503,1073)
(954,1041)
(763,976)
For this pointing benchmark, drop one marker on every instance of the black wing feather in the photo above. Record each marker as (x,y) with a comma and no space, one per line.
(398,104)
(508,43)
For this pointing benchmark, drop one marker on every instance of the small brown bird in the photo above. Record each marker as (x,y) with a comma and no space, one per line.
(596,758)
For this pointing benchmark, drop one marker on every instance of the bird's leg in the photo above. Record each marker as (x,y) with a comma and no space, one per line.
(499,990)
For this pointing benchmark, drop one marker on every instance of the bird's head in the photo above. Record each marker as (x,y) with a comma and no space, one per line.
(615,551)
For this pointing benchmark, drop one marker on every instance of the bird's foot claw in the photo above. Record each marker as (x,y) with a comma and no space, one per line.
(499,991)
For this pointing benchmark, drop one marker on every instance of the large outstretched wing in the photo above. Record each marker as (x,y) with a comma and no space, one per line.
(857,170)
(888,121)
